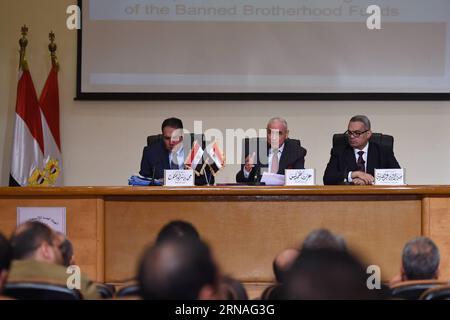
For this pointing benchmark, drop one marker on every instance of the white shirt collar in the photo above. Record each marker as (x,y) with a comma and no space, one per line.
(280,149)
(365,149)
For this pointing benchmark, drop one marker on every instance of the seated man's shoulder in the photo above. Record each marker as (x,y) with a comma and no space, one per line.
(155,147)
(35,271)
(340,149)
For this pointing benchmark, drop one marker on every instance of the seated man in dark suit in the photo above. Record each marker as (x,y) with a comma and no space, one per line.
(282,153)
(168,154)
(356,161)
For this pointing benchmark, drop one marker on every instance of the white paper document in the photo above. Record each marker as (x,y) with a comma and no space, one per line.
(273,179)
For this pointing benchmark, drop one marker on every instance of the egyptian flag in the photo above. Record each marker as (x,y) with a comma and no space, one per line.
(49,104)
(28,145)
(195,157)
(215,157)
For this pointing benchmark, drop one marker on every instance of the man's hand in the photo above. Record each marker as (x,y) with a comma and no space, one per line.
(250,162)
(362,178)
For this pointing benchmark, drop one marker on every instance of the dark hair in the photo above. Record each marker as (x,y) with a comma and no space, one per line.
(327,274)
(173,123)
(177,229)
(420,259)
(29,237)
(323,239)
(176,270)
(66,251)
(5,253)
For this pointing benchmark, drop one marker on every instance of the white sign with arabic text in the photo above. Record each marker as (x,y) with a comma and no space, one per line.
(179,178)
(389,177)
(300,177)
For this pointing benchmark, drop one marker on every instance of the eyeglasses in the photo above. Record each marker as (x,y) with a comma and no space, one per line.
(356,134)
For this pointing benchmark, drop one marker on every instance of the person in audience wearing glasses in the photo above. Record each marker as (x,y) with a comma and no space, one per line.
(37,258)
(282,153)
(169,153)
(355,162)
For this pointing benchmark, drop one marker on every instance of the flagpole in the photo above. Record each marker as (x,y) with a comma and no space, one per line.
(52,47)
(23,42)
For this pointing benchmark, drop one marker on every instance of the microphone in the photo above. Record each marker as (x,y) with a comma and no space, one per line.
(152,181)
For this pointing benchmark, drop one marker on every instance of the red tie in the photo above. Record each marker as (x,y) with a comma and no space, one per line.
(361,163)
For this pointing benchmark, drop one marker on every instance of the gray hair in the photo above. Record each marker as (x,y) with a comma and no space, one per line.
(420,259)
(283,121)
(361,118)
(323,239)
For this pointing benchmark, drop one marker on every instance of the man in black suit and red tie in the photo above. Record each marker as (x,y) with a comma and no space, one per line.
(355,162)
(281,153)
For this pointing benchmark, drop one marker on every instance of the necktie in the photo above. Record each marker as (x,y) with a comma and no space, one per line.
(360,163)
(275,164)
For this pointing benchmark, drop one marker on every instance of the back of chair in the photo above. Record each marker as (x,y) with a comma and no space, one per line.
(40,291)
(128,291)
(437,293)
(273,292)
(340,139)
(259,147)
(105,291)
(412,290)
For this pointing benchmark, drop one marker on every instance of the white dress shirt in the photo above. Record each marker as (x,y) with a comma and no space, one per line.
(179,157)
(280,151)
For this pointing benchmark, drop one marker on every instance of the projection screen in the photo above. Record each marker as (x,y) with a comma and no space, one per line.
(263,49)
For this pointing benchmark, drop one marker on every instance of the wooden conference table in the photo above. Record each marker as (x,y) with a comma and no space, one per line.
(245,226)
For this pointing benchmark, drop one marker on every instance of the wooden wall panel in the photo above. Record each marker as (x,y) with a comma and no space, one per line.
(81,224)
(437,215)
(246,235)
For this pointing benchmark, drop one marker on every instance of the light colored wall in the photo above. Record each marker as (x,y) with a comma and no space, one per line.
(102,141)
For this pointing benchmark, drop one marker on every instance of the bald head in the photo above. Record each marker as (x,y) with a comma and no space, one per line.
(283,262)
(179,269)
(277,132)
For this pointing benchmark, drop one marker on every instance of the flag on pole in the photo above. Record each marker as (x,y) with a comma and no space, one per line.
(215,157)
(194,158)
(49,104)
(28,145)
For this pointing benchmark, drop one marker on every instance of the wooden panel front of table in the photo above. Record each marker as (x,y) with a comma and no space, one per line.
(245,226)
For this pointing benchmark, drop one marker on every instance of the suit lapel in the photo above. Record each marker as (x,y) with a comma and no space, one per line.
(372,159)
(350,159)
(284,159)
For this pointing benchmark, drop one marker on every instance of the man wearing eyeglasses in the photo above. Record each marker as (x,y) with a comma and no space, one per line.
(355,162)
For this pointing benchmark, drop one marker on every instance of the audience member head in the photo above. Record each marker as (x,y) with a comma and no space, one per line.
(283,262)
(327,275)
(420,260)
(172,132)
(177,229)
(34,240)
(178,269)
(66,250)
(5,259)
(323,239)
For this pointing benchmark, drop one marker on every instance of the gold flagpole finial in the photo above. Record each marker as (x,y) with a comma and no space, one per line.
(52,48)
(23,42)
